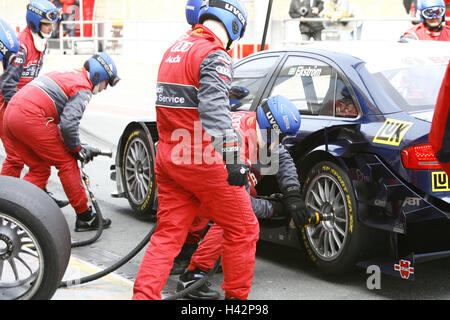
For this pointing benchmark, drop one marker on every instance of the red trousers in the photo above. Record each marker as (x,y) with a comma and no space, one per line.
(197,230)
(13,164)
(209,250)
(182,189)
(30,124)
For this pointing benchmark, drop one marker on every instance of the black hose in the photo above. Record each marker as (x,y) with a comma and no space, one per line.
(113,267)
(86,182)
(128,257)
(196,284)
(99,230)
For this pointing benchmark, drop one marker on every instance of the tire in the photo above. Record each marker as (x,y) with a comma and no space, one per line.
(337,244)
(35,242)
(138,173)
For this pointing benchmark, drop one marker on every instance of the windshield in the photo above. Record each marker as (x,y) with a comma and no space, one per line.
(413,88)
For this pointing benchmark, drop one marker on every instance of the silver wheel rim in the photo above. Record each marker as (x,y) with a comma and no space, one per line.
(137,171)
(328,238)
(21,260)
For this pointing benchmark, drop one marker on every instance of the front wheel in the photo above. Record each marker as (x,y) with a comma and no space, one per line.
(35,242)
(138,173)
(334,245)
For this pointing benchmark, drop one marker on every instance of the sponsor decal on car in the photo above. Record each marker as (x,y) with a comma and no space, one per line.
(405,269)
(392,132)
(439,181)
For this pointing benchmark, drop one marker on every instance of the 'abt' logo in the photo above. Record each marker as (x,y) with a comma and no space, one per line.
(405,269)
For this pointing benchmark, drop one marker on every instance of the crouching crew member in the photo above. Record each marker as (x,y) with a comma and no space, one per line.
(274,122)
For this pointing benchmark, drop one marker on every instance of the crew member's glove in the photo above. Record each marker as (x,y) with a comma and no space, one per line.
(278,210)
(295,206)
(237,170)
(87,153)
(237,174)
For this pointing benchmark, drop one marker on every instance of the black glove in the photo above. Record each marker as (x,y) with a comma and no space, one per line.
(237,170)
(237,174)
(295,206)
(87,153)
(278,209)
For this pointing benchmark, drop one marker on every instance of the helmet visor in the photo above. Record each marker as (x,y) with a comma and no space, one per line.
(434,12)
(113,81)
(54,15)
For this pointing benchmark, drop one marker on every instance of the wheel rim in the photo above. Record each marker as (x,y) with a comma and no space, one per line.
(137,171)
(21,260)
(328,238)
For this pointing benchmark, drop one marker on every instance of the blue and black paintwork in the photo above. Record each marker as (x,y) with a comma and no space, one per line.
(395,200)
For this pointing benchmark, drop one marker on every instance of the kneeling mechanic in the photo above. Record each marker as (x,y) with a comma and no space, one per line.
(262,143)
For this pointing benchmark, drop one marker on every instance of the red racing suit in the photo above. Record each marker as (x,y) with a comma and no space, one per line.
(192,105)
(42,121)
(23,69)
(420,32)
(439,137)
(244,122)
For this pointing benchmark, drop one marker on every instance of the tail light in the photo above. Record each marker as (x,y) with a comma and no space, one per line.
(420,157)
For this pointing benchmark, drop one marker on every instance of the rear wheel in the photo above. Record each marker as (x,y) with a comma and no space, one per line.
(35,242)
(138,173)
(334,245)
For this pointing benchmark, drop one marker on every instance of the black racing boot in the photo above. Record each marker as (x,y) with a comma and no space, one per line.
(203,292)
(88,221)
(181,262)
(59,203)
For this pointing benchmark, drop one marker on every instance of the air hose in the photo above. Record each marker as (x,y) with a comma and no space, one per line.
(87,184)
(113,267)
(128,257)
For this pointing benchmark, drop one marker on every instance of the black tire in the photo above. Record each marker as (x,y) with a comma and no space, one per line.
(34,240)
(337,244)
(138,173)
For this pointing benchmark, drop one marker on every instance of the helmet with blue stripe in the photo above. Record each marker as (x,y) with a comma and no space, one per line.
(430,9)
(278,117)
(231,13)
(192,9)
(41,11)
(9,44)
(101,67)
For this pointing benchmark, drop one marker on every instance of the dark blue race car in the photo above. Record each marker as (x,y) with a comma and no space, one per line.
(362,151)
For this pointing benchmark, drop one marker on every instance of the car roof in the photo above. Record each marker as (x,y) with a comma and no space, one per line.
(379,55)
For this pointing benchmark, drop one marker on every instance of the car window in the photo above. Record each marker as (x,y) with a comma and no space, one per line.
(413,88)
(314,87)
(248,79)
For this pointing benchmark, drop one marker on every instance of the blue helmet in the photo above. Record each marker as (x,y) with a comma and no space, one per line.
(41,11)
(280,115)
(192,9)
(430,9)
(231,13)
(9,44)
(101,67)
